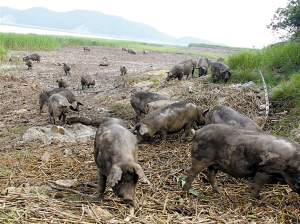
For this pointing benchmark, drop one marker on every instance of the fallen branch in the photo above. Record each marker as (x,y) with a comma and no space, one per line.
(71,190)
(266,98)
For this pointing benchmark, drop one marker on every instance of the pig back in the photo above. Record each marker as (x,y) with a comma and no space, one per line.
(171,118)
(140,99)
(227,115)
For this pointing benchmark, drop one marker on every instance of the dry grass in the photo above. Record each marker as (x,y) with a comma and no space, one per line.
(37,199)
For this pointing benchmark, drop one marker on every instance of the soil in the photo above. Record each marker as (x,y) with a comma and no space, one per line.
(32,167)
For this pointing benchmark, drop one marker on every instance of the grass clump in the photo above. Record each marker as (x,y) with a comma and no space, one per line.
(31,42)
(123,111)
(287,96)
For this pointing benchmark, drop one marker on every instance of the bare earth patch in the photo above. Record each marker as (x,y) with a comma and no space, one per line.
(29,169)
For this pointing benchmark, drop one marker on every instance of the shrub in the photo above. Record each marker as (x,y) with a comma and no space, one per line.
(287,96)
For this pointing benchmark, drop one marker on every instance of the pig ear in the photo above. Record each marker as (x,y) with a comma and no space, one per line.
(114,176)
(139,171)
(204,112)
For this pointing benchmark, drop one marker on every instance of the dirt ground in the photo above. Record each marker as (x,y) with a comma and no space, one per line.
(23,165)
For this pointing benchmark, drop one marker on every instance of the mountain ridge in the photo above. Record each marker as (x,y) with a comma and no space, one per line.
(91,23)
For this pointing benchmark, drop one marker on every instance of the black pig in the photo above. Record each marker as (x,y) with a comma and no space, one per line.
(116,156)
(244,153)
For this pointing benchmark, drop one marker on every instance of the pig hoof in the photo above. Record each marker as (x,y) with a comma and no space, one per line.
(100,197)
(184,194)
(133,203)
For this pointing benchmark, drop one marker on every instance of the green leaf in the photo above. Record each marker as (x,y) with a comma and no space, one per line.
(251,216)
(194,192)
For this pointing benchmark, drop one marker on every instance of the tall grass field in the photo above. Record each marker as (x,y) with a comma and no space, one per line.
(35,42)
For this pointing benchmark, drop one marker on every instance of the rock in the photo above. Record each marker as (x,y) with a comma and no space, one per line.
(262,107)
(45,157)
(58,129)
(21,111)
(67,183)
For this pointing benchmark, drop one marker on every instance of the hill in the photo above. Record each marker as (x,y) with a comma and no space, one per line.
(92,23)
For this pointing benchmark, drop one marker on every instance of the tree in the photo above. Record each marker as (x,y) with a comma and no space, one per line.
(287,19)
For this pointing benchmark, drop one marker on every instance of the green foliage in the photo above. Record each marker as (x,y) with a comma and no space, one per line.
(23,154)
(285,125)
(12,41)
(277,63)
(7,215)
(38,190)
(287,96)
(3,52)
(287,19)
(35,42)
(3,170)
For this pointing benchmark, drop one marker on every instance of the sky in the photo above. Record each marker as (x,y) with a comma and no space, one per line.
(237,23)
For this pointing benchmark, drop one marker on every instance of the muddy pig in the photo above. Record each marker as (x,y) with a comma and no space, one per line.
(58,107)
(244,153)
(87,81)
(86,49)
(46,93)
(66,68)
(62,83)
(157,105)
(203,65)
(116,157)
(34,57)
(131,51)
(219,72)
(29,63)
(139,100)
(169,119)
(227,115)
(104,62)
(123,70)
(181,69)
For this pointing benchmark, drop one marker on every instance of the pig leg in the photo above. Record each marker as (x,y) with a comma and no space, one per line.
(64,119)
(101,185)
(196,168)
(138,114)
(259,180)
(41,107)
(211,175)
(187,128)
(163,135)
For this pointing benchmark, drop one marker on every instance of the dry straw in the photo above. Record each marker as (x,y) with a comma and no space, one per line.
(165,164)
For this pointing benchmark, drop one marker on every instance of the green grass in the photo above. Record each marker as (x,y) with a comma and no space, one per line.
(287,95)
(123,111)
(277,62)
(30,42)
(35,42)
